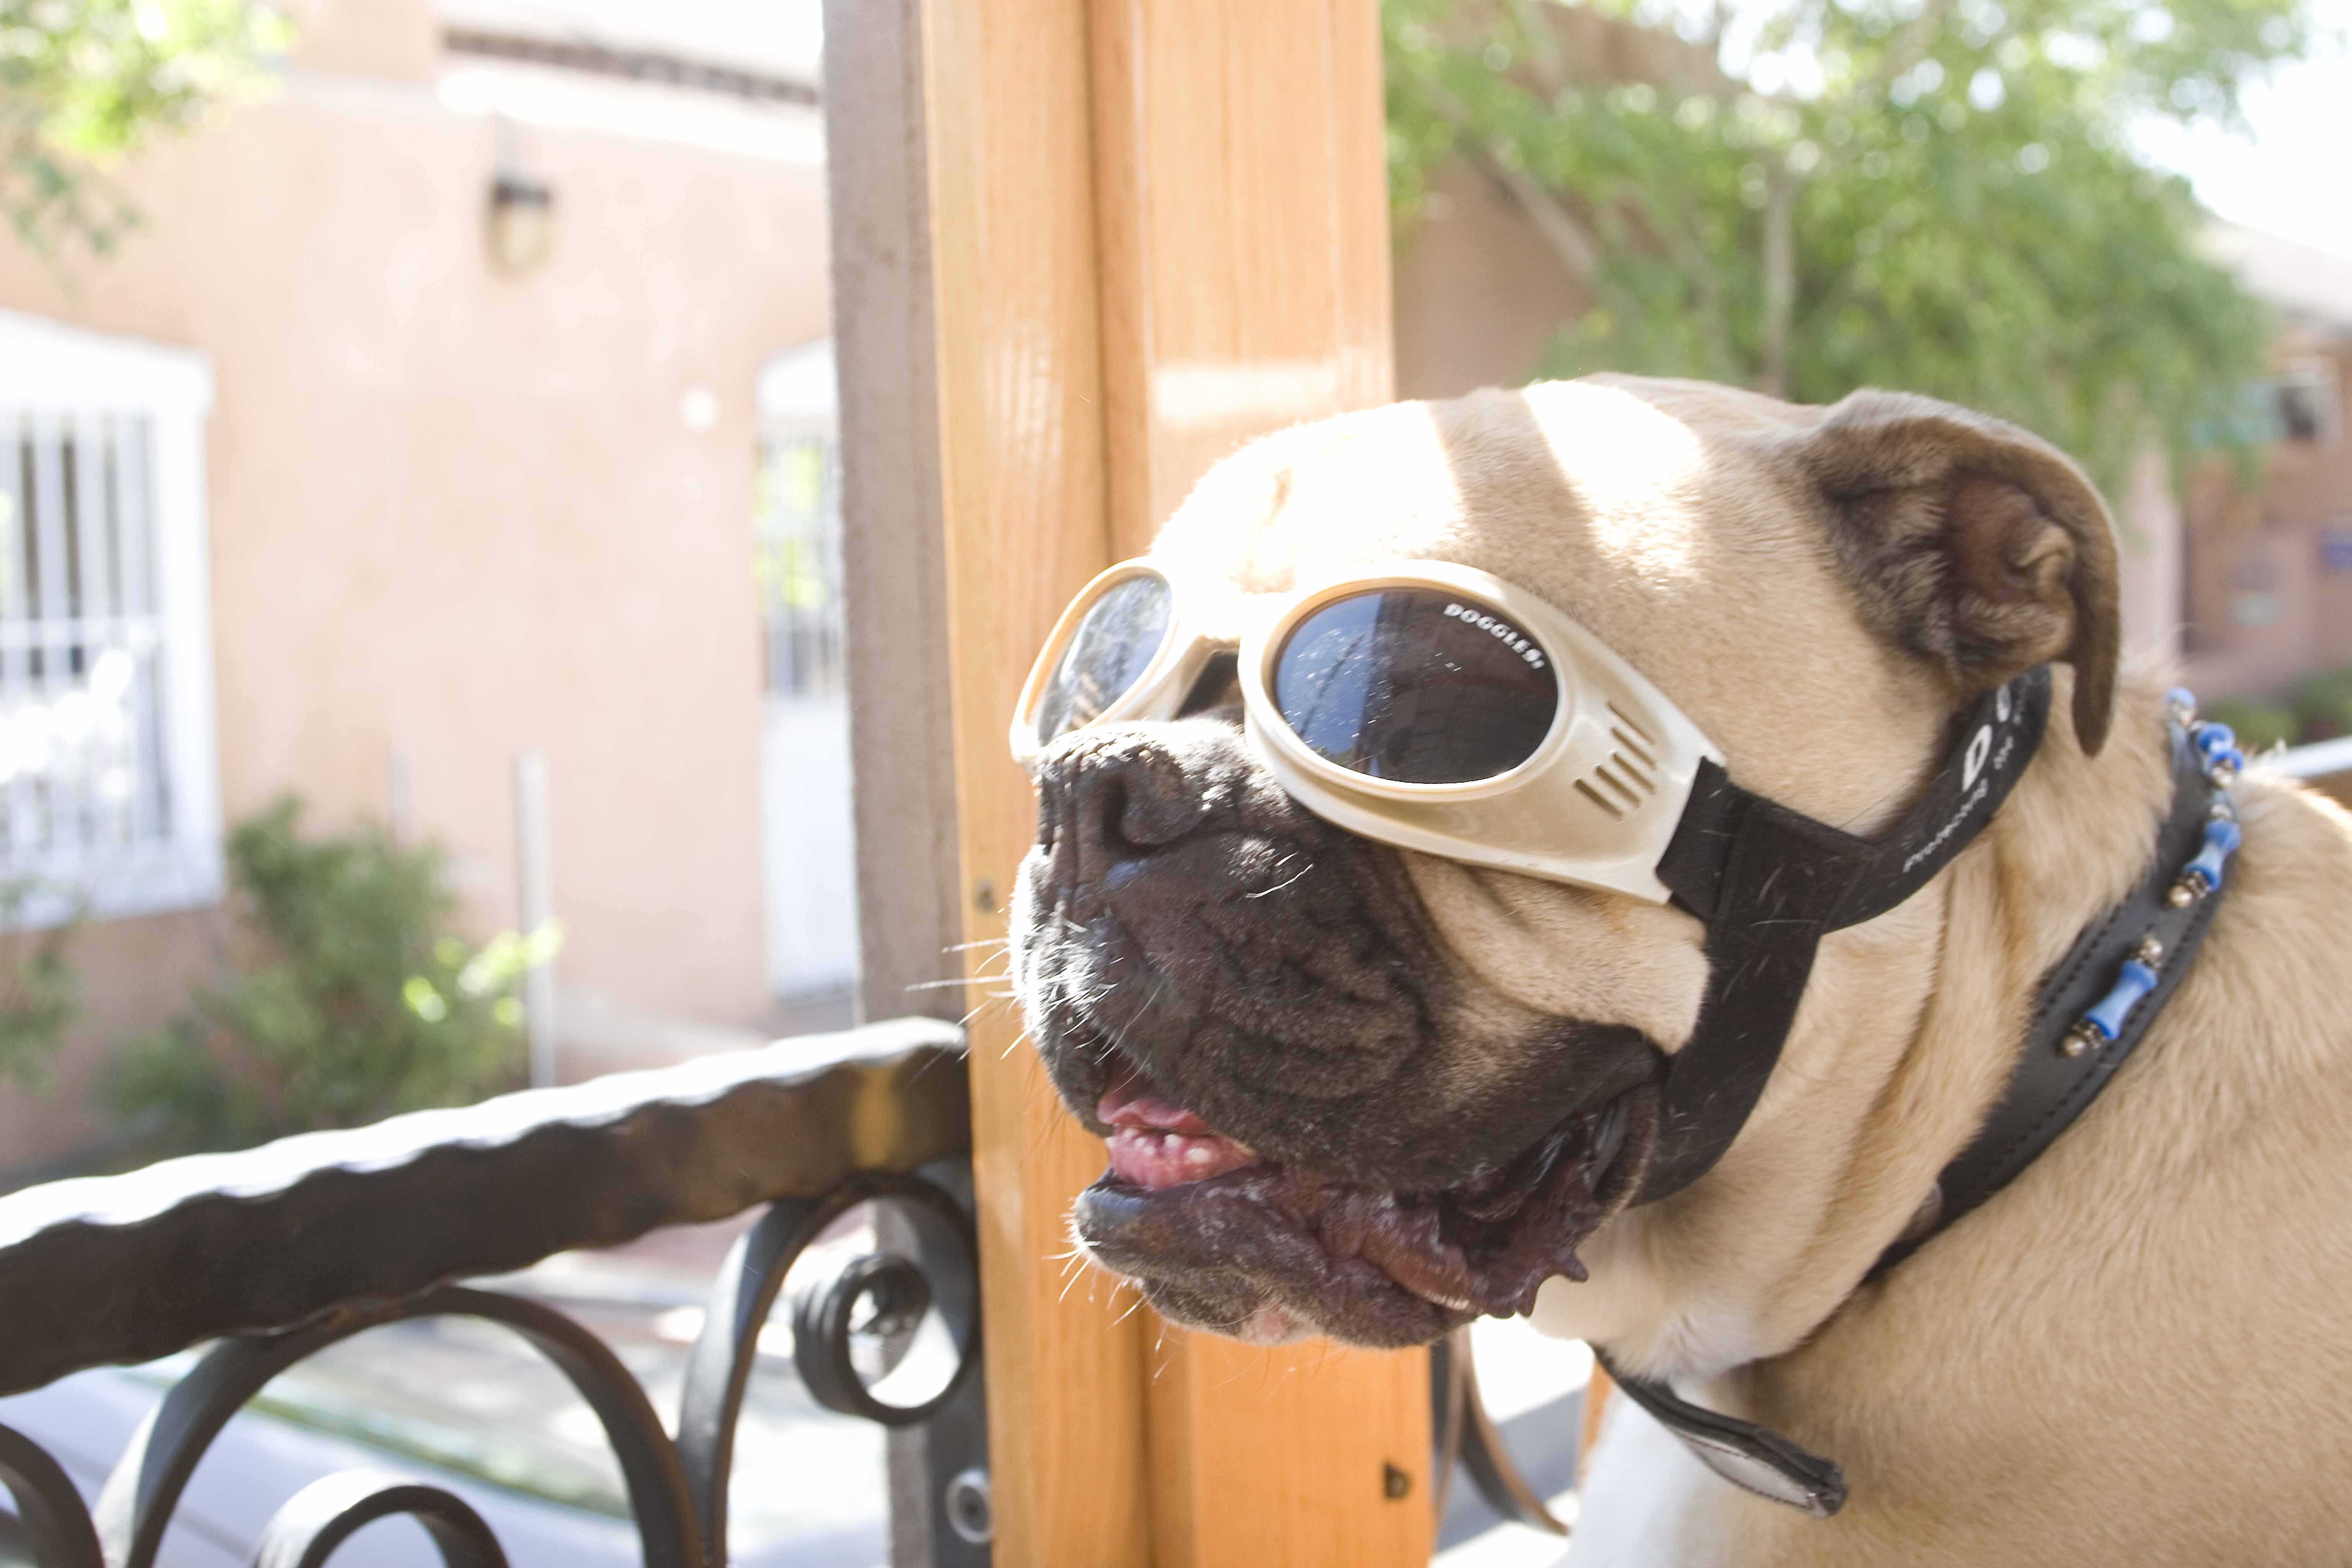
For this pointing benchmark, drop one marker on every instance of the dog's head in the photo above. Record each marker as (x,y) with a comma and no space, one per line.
(1374,1093)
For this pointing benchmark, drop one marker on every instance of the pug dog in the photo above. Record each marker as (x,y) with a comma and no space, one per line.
(1373,1069)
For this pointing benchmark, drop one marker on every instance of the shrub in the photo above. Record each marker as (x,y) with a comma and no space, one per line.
(348,997)
(2322,705)
(36,989)
(2259,725)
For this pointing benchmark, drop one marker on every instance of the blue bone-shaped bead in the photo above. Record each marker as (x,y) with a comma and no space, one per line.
(2135,982)
(2222,841)
(2214,739)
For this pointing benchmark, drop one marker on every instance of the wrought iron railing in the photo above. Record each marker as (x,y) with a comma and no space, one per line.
(276,1253)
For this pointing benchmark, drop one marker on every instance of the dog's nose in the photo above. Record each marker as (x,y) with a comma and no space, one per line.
(1115,799)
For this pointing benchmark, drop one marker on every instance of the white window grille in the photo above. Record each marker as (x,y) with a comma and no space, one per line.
(799,500)
(800,565)
(108,792)
(810,870)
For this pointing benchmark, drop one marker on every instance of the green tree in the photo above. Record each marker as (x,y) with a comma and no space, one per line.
(84,82)
(1939,196)
(349,998)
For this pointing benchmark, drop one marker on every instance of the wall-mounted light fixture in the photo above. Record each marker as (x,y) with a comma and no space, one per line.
(521,213)
(522,224)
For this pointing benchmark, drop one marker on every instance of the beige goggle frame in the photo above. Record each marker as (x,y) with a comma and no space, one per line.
(1594,805)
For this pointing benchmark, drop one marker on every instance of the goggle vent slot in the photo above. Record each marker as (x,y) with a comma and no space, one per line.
(1626,781)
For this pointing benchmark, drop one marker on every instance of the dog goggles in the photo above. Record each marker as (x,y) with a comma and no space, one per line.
(1428,706)
(1437,708)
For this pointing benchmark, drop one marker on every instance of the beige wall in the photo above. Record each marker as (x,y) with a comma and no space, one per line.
(2149,547)
(454,515)
(1479,296)
(2264,609)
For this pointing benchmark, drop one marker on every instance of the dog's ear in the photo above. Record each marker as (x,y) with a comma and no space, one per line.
(1973,544)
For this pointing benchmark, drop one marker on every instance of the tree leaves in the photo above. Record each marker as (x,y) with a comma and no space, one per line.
(349,999)
(83,82)
(1963,213)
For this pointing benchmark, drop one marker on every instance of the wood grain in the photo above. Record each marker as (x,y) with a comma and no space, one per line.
(1019,386)
(1242,208)
(1313,1455)
(1155,231)
(1243,202)
(1596,1405)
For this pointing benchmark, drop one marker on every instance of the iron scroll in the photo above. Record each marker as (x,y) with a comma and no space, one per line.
(815,1128)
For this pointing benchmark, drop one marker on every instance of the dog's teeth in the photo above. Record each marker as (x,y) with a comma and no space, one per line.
(1198,1155)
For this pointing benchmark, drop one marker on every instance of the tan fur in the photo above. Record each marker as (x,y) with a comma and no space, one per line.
(2136,1353)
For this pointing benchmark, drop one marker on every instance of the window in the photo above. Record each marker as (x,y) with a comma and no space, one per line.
(2254,594)
(109,801)
(807,823)
(2306,401)
(799,502)
(2336,551)
(2298,405)
(800,563)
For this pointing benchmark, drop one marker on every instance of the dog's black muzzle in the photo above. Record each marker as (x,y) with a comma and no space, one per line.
(1385,1153)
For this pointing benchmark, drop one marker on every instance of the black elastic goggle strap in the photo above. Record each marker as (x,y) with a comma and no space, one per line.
(1768,882)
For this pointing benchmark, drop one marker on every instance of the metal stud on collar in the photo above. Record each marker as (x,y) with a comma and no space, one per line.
(2137,976)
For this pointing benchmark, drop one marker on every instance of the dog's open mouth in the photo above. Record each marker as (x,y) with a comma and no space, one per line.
(1245,1244)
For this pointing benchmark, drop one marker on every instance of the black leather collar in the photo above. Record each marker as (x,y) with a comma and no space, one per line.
(2093,1005)
(2090,1010)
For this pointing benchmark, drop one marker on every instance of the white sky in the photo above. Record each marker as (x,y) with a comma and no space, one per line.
(2292,175)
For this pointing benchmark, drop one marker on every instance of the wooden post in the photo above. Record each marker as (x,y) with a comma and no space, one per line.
(1242,204)
(1596,1405)
(1019,374)
(1153,231)
(894,560)
(902,724)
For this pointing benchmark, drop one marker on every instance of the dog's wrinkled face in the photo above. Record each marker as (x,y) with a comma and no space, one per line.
(1314,1116)
(1357,1090)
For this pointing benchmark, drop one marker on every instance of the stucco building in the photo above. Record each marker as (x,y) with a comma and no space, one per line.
(2269,599)
(467,315)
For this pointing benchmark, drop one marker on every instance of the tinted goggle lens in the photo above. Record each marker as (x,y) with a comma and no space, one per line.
(1114,644)
(1415,685)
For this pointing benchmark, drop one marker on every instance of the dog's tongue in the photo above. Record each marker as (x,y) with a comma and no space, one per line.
(1156,1143)
(1485,1247)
